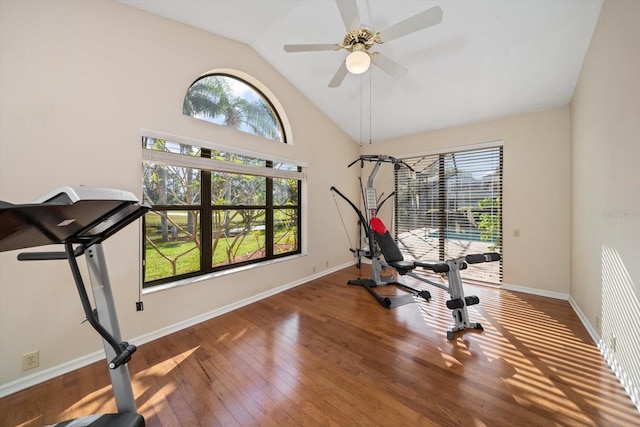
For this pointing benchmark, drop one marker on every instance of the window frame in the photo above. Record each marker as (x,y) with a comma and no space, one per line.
(445,207)
(246,81)
(207,166)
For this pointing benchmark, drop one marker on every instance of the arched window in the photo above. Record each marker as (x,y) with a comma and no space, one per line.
(227,100)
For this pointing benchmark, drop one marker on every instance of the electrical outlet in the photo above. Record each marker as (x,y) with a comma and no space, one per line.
(30,360)
(516,232)
(326,263)
(139,306)
(598,323)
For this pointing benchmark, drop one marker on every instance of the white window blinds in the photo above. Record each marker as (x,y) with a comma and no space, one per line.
(450,205)
(189,158)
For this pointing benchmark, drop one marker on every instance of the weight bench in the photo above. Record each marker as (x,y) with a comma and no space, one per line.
(451,268)
(80,219)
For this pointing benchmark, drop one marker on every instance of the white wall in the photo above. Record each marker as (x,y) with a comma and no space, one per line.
(536,190)
(605,203)
(79,79)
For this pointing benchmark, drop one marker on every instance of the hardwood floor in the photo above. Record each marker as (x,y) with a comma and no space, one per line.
(325,353)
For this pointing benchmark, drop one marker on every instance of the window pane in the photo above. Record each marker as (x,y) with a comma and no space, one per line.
(183,182)
(231,102)
(470,186)
(285,229)
(170,185)
(285,191)
(450,206)
(238,235)
(172,243)
(417,208)
(234,190)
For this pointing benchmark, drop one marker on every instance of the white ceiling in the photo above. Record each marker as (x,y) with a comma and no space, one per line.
(487,59)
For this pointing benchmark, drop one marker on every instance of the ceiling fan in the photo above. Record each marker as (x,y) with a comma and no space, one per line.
(360,38)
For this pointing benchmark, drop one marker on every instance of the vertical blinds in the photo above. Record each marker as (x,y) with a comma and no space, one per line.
(450,205)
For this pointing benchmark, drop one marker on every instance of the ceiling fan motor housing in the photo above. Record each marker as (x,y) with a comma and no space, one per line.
(361,39)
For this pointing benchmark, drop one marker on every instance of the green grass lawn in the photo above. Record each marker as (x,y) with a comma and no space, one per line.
(182,251)
(157,267)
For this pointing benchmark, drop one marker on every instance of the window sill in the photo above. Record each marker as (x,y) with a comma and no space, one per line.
(183,282)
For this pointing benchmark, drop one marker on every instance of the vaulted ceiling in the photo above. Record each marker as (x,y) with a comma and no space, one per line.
(487,58)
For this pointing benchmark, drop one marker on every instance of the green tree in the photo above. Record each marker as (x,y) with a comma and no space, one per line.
(490,222)
(208,97)
(212,99)
(166,185)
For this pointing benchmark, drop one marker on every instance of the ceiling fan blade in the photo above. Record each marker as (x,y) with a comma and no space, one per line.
(309,47)
(417,22)
(388,66)
(349,12)
(339,76)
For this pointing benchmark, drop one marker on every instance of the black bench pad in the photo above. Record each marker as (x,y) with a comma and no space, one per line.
(435,266)
(402,266)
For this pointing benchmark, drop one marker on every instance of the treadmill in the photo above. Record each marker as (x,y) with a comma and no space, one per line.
(80,219)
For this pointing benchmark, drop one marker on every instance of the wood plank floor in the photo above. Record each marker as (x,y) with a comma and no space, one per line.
(325,353)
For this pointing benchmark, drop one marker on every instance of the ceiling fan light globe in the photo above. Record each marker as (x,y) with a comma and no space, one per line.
(358,62)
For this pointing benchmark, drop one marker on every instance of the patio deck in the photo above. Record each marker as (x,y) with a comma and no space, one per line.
(421,244)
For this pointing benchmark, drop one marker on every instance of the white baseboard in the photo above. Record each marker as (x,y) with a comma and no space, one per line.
(47,374)
(557,295)
(565,297)
(534,291)
(151,336)
(72,365)
(53,372)
(608,355)
(585,321)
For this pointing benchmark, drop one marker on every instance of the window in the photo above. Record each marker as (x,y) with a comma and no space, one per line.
(450,205)
(229,101)
(215,209)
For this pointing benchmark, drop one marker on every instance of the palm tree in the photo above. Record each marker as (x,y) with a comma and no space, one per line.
(212,99)
(208,97)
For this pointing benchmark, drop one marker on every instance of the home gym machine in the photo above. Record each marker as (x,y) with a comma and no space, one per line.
(80,219)
(372,252)
(451,268)
(382,243)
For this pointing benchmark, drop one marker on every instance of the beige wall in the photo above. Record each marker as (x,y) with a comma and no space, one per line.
(536,189)
(78,80)
(605,145)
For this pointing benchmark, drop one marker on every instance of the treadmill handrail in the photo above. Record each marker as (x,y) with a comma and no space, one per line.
(46,216)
